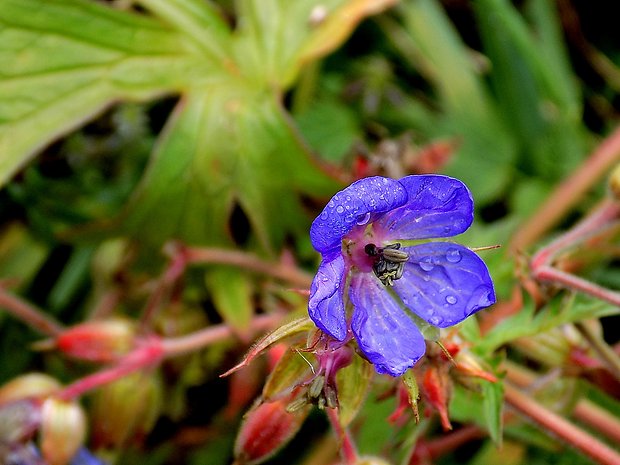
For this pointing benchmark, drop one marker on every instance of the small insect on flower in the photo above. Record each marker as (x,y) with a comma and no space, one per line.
(381,263)
(390,262)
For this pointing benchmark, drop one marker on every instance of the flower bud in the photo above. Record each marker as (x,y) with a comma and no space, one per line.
(125,410)
(614,182)
(97,341)
(31,385)
(63,429)
(266,428)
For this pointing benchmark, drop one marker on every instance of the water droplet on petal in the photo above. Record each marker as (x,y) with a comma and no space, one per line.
(451,299)
(426,264)
(453,256)
(339,208)
(363,219)
(435,320)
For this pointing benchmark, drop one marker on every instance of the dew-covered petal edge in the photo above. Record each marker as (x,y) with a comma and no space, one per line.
(352,206)
(325,305)
(444,283)
(386,335)
(437,206)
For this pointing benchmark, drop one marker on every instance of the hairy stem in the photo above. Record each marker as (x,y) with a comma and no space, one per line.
(560,427)
(349,454)
(249,262)
(569,192)
(28,314)
(184,344)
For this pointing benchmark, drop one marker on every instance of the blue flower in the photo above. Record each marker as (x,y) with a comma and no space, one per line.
(377,268)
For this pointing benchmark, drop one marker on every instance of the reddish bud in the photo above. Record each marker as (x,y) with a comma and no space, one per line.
(63,429)
(436,391)
(266,428)
(97,341)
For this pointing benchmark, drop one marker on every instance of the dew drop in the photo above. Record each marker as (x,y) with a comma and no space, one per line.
(426,264)
(453,256)
(339,208)
(363,219)
(435,320)
(451,299)
(324,215)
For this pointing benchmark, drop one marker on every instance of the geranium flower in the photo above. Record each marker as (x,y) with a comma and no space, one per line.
(376,268)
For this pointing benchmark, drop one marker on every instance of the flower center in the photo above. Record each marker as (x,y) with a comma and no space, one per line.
(388,262)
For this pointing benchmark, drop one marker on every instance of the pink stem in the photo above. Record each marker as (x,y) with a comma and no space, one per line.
(249,262)
(607,211)
(148,355)
(349,453)
(32,316)
(569,192)
(548,273)
(560,427)
(204,337)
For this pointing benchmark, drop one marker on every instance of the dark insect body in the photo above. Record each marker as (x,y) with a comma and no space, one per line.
(389,262)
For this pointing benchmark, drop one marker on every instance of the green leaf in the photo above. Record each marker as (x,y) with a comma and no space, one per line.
(292,369)
(231,291)
(72,59)
(469,113)
(493,408)
(353,384)
(20,255)
(275,38)
(284,331)
(224,145)
(528,322)
(534,85)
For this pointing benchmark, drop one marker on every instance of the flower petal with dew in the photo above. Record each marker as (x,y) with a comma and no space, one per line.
(361,236)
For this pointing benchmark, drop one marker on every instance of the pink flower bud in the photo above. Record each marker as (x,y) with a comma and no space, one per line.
(97,341)
(266,429)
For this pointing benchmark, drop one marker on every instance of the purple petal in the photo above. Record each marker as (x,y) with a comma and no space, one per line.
(385,333)
(438,206)
(443,283)
(325,306)
(354,205)
(84,457)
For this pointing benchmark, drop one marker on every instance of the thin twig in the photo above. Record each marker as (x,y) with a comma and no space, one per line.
(249,262)
(560,427)
(29,314)
(598,418)
(173,347)
(609,358)
(568,192)
(349,454)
